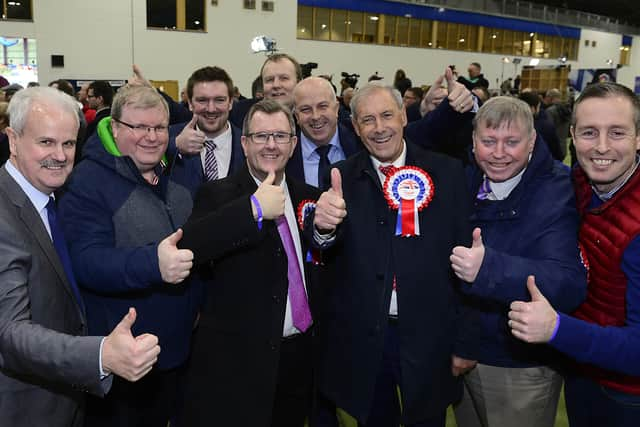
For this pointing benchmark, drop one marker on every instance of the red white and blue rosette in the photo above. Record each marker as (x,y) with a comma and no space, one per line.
(305,208)
(408,189)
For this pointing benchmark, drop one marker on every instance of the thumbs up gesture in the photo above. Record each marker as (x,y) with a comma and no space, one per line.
(331,207)
(534,321)
(271,198)
(175,264)
(137,79)
(466,262)
(460,98)
(127,356)
(191,140)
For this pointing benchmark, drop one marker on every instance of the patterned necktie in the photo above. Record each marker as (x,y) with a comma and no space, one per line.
(61,248)
(210,161)
(484,190)
(297,297)
(323,166)
(387,170)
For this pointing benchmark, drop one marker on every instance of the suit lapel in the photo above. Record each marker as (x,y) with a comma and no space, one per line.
(33,223)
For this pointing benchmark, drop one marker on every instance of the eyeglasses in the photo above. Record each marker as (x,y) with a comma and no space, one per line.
(281,138)
(141,130)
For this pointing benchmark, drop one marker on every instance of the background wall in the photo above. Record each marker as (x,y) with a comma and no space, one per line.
(100,40)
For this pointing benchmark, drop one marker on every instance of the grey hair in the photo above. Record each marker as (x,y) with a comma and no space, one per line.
(269,107)
(370,88)
(23,100)
(139,97)
(504,110)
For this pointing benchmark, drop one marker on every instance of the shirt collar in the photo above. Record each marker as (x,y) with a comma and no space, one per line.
(399,162)
(309,147)
(609,194)
(220,137)
(37,197)
(501,190)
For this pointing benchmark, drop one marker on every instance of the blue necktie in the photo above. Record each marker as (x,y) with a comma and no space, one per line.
(323,167)
(61,248)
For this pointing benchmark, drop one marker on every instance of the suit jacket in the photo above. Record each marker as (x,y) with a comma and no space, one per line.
(236,348)
(195,162)
(366,256)
(46,364)
(349,142)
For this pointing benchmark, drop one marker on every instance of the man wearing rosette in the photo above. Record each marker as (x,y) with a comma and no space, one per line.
(252,354)
(387,226)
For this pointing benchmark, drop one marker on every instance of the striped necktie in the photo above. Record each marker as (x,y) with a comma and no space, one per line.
(210,161)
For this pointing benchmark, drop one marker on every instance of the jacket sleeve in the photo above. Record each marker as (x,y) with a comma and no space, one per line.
(434,131)
(230,221)
(28,349)
(613,348)
(551,255)
(97,263)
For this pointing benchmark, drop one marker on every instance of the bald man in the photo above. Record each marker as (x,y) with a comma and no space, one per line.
(322,141)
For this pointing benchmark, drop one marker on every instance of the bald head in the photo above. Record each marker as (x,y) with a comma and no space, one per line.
(316,109)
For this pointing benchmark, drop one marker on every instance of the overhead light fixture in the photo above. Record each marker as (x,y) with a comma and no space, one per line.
(533,62)
(506,60)
(323,26)
(441,10)
(263,44)
(430,44)
(461,40)
(408,15)
(493,36)
(532,34)
(196,22)
(303,30)
(374,18)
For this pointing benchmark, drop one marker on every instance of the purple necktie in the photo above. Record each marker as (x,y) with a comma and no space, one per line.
(485,190)
(297,296)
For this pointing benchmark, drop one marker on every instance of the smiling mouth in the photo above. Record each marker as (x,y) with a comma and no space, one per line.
(602,162)
(382,139)
(317,126)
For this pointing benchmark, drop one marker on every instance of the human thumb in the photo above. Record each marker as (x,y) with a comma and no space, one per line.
(270,179)
(477,238)
(174,238)
(448,74)
(438,83)
(136,71)
(536,295)
(193,122)
(127,321)
(336,181)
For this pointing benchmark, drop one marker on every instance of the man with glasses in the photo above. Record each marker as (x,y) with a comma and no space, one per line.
(209,143)
(252,355)
(121,213)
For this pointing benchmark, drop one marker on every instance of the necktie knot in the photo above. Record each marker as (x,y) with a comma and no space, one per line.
(210,144)
(484,190)
(387,170)
(323,151)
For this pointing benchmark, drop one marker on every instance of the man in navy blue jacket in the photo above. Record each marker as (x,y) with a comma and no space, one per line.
(209,143)
(121,214)
(526,222)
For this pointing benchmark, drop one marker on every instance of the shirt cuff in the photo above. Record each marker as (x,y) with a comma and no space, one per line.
(103,374)
(322,239)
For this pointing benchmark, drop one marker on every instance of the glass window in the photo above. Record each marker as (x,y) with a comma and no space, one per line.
(321,28)
(371,28)
(390,30)
(17,9)
(305,22)
(403,31)
(427,28)
(415,32)
(441,34)
(354,29)
(162,14)
(339,25)
(15,53)
(194,19)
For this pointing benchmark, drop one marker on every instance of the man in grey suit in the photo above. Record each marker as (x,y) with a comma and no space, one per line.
(46,362)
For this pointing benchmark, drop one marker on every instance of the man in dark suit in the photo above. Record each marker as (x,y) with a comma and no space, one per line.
(251,358)
(46,362)
(209,142)
(392,317)
(322,141)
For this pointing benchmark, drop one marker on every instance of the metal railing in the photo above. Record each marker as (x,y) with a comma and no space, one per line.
(535,12)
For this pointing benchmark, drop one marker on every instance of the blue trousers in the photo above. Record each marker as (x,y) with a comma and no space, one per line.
(590,404)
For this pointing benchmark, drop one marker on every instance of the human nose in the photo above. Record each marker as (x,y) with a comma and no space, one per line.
(602,143)
(499,150)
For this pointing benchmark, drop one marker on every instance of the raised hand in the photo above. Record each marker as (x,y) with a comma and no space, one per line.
(466,262)
(137,79)
(190,140)
(270,197)
(460,98)
(175,264)
(331,207)
(533,321)
(127,356)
